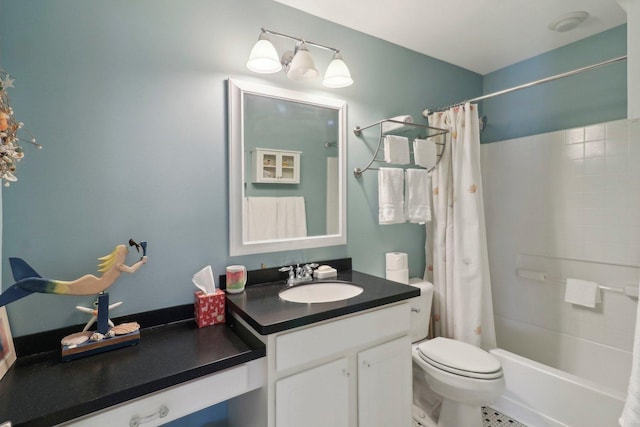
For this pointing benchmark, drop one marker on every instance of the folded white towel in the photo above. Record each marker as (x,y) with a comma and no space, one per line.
(582,292)
(417,202)
(425,153)
(396,149)
(391,126)
(390,196)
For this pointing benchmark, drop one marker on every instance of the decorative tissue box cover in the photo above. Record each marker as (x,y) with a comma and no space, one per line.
(209,309)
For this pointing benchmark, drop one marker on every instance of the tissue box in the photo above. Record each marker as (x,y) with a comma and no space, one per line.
(209,309)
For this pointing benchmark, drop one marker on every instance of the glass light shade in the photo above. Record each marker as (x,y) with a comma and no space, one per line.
(302,66)
(337,74)
(264,58)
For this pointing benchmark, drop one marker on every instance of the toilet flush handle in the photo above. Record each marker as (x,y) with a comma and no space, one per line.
(415,310)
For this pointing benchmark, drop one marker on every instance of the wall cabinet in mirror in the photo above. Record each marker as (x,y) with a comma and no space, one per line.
(275,166)
(279,136)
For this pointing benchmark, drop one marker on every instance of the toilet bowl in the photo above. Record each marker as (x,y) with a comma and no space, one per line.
(464,376)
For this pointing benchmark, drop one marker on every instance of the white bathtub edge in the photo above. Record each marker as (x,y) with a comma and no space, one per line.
(538,395)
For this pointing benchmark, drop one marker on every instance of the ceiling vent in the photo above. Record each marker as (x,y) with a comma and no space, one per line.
(568,22)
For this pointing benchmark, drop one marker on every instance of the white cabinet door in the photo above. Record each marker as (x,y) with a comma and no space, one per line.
(318,397)
(384,384)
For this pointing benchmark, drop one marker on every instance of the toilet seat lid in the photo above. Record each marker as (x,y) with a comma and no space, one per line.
(460,358)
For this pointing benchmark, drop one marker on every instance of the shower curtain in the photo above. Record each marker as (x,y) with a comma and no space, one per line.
(456,245)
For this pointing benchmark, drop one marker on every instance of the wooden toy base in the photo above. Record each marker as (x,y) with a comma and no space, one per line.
(94,347)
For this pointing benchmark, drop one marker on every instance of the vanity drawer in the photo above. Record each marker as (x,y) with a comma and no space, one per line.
(315,342)
(180,400)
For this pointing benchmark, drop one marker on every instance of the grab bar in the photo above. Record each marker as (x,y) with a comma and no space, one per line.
(629,290)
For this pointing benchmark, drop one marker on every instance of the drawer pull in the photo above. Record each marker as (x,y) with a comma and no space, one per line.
(136,420)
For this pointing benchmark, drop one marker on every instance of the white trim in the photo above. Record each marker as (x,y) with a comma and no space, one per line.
(237,245)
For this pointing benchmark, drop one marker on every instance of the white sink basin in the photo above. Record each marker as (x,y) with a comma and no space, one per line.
(320,292)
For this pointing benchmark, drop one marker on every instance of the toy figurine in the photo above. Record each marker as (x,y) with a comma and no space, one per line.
(107,335)
(29,281)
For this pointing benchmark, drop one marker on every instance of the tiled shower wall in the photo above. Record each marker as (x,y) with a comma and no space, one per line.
(565,203)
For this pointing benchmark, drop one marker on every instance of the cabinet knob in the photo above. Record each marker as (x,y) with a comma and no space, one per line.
(366,364)
(136,420)
(345,372)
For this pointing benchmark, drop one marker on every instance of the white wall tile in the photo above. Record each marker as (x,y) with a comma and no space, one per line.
(616,164)
(593,149)
(583,202)
(574,151)
(617,146)
(594,166)
(616,129)
(595,132)
(575,135)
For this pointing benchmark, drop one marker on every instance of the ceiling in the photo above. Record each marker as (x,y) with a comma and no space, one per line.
(479,35)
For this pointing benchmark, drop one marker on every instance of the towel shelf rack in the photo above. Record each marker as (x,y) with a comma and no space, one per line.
(629,289)
(431,132)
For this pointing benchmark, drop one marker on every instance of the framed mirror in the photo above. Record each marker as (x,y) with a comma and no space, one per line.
(287,164)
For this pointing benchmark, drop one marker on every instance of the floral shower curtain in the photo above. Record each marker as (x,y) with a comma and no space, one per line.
(456,246)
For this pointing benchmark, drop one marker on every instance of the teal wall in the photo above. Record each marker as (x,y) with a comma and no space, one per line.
(213,416)
(129,100)
(594,96)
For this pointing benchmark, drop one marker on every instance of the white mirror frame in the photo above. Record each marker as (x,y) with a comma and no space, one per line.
(237,246)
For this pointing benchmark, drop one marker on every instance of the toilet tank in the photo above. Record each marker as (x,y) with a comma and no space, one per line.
(421,309)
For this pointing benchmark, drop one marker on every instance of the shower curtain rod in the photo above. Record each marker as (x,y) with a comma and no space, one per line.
(530,84)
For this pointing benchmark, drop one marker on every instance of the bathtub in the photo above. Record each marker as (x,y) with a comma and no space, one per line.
(572,381)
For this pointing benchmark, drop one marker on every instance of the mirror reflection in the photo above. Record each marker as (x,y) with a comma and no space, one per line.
(286,169)
(291,174)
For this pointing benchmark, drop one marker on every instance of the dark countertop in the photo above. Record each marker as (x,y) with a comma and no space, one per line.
(261,307)
(40,390)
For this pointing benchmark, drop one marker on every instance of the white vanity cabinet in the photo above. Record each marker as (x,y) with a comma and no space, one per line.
(318,397)
(384,385)
(353,371)
(275,166)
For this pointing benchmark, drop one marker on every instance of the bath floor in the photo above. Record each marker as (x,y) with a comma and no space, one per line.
(490,418)
(493,418)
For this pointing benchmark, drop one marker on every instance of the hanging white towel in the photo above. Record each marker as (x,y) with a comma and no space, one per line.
(391,126)
(291,218)
(425,153)
(582,292)
(631,413)
(396,149)
(417,202)
(260,218)
(391,196)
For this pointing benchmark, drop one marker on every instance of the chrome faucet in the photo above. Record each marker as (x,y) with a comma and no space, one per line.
(299,274)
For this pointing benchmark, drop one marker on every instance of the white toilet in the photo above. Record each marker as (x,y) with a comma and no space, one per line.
(464,376)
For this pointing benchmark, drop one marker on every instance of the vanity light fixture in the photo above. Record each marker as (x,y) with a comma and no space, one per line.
(298,64)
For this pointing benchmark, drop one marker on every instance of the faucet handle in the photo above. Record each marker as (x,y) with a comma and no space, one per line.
(308,268)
